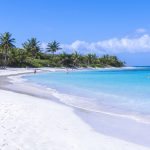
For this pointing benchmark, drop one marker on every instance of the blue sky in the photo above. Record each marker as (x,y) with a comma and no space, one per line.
(102,26)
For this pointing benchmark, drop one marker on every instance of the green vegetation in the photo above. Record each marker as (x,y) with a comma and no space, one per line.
(31,55)
(53,47)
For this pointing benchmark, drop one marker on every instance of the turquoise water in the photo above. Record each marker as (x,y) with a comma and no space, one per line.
(121,91)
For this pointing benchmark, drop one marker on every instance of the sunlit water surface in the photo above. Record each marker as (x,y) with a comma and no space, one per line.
(124,92)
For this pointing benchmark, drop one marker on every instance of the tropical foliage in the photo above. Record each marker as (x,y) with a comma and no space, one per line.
(6,45)
(31,55)
(32,47)
(53,47)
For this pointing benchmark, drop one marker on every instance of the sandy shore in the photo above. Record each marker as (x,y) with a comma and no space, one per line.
(28,122)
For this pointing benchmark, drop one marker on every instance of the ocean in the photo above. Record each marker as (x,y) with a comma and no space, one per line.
(122,91)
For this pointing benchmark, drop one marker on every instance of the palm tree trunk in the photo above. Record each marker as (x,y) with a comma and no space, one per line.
(5,59)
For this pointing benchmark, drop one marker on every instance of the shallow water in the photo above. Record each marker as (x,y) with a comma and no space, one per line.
(124,92)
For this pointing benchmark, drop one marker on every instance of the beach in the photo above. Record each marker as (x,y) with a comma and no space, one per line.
(33,121)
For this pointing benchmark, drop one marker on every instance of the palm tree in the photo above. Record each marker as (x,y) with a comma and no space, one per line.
(6,44)
(18,57)
(66,60)
(53,47)
(91,58)
(1,56)
(75,58)
(32,46)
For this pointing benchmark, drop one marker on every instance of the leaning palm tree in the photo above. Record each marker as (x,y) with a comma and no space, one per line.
(53,47)
(6,44)
(32,46)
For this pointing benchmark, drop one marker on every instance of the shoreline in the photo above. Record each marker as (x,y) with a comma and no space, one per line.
(20,85)
(83,114)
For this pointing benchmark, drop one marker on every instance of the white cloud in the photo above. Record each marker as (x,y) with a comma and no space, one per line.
(141,30)
(140,42)
(114,45)
(43,45)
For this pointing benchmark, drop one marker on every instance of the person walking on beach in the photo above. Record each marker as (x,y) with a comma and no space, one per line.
(35,71)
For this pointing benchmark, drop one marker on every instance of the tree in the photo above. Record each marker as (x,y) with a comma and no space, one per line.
(1,56)
(53,47)
(32,46)
(31,55)
(6,44)
(91,58)
(18,57)
(76,59)
(66,60)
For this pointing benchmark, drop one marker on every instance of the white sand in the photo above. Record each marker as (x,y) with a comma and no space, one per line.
(29,123)
(13,71)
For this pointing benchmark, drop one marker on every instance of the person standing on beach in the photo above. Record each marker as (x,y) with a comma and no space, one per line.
(35,71)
